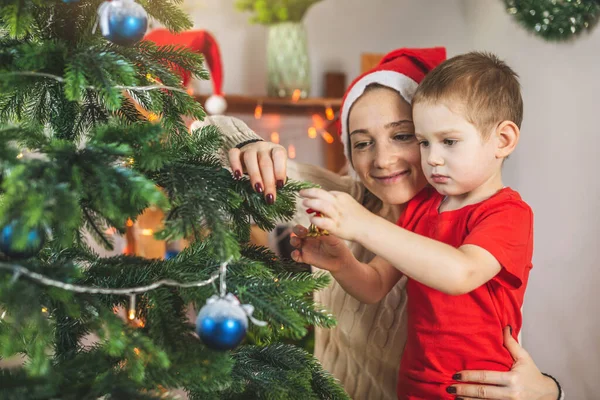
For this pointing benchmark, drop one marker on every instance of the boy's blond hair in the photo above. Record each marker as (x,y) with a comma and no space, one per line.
(487,88)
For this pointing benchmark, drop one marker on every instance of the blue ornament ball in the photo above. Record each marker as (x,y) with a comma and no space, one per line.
(35,241)
(70,1)
(170,254)
(123,22)
(222,324)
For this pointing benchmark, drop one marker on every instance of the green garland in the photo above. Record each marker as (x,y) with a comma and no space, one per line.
(555,20)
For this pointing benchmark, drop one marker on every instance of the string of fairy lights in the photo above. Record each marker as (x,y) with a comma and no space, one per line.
(130,292)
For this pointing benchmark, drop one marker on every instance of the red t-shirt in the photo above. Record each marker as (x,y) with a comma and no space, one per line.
(447,334)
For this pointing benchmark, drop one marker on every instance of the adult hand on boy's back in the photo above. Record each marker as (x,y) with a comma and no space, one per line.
(523,382)
(325,252)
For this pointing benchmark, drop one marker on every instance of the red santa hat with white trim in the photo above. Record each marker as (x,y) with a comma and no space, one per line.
(202,42)
(401,70)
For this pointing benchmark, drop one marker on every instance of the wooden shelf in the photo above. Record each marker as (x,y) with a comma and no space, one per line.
(273,105)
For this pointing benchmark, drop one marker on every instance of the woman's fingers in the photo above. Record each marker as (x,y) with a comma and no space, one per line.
(253,170)
(474,391)
(279,156)
(265,163)
(235,162)
(482,385)
(487,377)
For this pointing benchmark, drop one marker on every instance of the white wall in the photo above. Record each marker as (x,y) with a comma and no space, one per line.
(339,31)
(555,169)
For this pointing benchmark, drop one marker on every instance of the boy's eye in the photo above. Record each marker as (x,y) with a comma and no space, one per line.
(423,143)
(450,142)
(404,137)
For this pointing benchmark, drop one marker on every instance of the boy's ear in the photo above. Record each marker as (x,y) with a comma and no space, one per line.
(507,134)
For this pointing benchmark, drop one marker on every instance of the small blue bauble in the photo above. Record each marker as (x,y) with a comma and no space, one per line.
(35,242)
(70,1)
(169,254)
(221,324)
(127,22)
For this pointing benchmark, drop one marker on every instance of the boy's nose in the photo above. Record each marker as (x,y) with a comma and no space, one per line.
(434,158)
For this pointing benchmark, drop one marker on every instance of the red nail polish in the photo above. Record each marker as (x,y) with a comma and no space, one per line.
(237,174)
(270,199)
(279,184)
(258,187)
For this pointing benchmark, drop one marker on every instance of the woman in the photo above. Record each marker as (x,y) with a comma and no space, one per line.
(364,350)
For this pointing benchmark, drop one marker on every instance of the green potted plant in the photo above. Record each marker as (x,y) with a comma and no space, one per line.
(288,65)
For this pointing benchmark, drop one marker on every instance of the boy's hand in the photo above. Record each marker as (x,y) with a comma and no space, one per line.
(341,215)
(325,252)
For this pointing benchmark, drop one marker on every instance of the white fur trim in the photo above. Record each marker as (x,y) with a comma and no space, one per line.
(215,105)
(392,79)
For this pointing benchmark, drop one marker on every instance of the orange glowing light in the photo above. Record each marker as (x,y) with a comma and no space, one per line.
(258,111)
(329,113)
(275,137)
(296,95)
(292,151)
(318,121)
(327,137)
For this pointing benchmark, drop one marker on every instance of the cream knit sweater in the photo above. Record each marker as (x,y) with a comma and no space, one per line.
(365,348)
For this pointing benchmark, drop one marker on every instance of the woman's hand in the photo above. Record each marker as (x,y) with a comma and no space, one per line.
(337,212)
(523,382)
(325,252)
(265,163)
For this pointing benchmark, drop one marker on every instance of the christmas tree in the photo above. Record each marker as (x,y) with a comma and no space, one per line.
(78,157)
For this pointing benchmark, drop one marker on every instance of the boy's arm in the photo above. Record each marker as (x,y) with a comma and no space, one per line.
(368,283)
(432,263)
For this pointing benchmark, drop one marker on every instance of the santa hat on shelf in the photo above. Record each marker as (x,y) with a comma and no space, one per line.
(401,70)
(198,41)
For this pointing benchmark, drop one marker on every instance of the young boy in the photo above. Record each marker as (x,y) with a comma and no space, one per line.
(469,257)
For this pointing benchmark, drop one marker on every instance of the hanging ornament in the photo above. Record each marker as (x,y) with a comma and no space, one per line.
(169,254)
(555,19)
(35,241)
(313,230)
(70,1)
(223,322)
(123,22)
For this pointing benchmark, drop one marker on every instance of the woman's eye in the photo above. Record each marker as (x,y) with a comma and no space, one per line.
(450,142)
(423,143)
(361,145)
